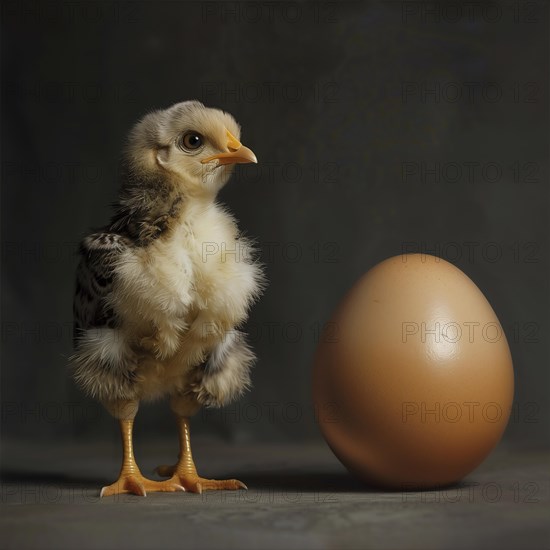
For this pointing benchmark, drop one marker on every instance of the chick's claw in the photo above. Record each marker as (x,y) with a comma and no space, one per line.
(136,484)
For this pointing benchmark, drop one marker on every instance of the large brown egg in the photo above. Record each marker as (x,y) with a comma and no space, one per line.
(413,380)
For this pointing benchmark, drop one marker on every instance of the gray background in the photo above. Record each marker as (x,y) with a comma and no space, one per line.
(331,97)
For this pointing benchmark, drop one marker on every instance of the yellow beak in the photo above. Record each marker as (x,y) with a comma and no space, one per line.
(238,153)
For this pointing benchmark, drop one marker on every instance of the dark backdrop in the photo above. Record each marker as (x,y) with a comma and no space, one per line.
(380,127)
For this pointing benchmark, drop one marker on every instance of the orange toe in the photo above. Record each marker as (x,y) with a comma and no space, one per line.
(136,484)
(195,484)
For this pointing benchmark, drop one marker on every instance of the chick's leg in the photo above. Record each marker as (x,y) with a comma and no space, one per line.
(184,471)
(130,479)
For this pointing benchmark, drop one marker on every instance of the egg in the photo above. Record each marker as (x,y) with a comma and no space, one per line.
(413,379)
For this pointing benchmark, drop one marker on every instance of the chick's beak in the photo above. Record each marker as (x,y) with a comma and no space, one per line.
(238,153)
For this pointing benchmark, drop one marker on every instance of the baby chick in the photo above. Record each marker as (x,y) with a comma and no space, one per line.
(161,290)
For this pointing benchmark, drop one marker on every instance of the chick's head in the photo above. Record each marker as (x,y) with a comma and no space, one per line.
(196,144)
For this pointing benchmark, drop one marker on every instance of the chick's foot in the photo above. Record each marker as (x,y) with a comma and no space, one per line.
(197,484)
(194,483)
(135,484)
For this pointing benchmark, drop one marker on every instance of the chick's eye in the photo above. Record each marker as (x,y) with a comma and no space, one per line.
(192,141)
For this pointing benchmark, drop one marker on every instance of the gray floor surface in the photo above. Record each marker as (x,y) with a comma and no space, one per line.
(299,497)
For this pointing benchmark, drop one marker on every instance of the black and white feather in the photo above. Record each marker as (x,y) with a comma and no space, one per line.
(103,365)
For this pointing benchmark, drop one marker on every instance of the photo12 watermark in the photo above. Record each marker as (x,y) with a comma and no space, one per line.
(471,172)
(122,12)
(469,332)
(271,252)
(69,92)
(451,331)
(49,412)
(491,492)
(471,252)
(470,11)
(471,92)
(264,11)
(469,412)
(28,493)
(271,92)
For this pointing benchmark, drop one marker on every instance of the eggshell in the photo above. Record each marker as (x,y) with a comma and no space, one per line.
(413,379)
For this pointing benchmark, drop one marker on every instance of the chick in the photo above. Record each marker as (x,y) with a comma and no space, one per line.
(161,290)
